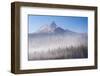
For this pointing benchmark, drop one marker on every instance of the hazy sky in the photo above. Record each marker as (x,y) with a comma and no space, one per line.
(73,23)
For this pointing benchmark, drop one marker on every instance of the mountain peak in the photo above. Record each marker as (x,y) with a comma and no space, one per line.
(53,28)
(53,24)
(48,28)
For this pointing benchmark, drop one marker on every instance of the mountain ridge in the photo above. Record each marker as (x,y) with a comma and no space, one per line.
(53,28)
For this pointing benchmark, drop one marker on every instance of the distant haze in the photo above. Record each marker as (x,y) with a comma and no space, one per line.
(73,23)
